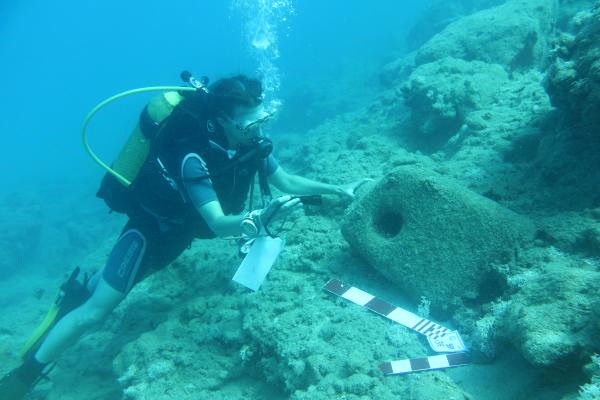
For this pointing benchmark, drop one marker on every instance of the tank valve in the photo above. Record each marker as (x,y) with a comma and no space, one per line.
(199,84)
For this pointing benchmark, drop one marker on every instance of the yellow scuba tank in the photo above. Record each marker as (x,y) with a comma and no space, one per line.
(135,151)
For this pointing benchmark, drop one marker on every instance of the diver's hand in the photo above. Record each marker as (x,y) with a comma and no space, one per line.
(348,191)
(279,209)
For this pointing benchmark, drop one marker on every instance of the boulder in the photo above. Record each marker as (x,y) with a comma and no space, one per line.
(573,80)
(568,157)
(572,232)
(433,238)
(443,93)
(437,14)
(513,34)
(396,71)
(554,318)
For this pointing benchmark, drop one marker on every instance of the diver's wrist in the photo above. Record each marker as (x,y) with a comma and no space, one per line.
(338,189)
(251,223)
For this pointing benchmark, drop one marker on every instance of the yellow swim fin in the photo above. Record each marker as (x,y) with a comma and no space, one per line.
(71,295)
(40,331)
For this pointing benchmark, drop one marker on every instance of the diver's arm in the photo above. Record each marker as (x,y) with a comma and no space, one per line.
(222,225)
(294,184)
(204,198)
(230,225)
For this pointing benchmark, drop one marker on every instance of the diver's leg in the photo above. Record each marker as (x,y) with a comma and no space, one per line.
(92,283)
(117,279)
(131,260)
(74,324)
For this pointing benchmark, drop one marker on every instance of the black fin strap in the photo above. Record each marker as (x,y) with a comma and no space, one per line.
(74,294)
(31,371)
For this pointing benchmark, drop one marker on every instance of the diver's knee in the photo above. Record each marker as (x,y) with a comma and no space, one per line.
(88,316)
(99,305)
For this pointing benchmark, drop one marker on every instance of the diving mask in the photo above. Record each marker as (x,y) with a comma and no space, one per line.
(253,121)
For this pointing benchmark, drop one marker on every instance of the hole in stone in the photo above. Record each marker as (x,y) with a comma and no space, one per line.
(388,223)
(492,286)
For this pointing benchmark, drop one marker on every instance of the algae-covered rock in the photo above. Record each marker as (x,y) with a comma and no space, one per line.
(474,107)
(568,157)
(555,317)
(573,80)
(397,70)
(441,94)
(513,34)
(433,238)
(572,232)
(591,390)
(319,347)
(437,14)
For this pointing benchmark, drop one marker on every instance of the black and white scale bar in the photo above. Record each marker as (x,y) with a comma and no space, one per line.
(390,311)
(424,364)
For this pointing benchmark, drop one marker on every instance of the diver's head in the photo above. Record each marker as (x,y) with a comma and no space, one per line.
(237,102)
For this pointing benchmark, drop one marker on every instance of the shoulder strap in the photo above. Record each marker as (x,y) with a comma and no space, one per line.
(263,182)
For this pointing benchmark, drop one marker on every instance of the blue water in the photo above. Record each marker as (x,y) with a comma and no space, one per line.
(61,58)
(317,60)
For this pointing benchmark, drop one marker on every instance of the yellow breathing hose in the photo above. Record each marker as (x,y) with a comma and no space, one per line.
(101,105)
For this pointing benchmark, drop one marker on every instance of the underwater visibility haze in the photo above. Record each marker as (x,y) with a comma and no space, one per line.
(361,200)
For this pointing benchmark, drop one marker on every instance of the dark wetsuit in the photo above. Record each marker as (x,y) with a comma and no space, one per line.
(188,168)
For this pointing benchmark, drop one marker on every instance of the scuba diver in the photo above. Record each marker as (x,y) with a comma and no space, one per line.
(201,152)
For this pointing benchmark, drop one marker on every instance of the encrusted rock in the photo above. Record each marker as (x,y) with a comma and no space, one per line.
(512,34)
(555,317)
(433,238)
(573,80)
(437,14)
(441,94)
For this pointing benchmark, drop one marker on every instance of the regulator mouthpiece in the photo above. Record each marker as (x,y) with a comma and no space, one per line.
(264,146)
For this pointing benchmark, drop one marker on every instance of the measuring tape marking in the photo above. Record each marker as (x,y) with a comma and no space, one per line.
(440,339)
(388,310)
(424,364)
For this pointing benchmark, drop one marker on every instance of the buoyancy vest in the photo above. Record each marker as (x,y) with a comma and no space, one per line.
(159,188)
